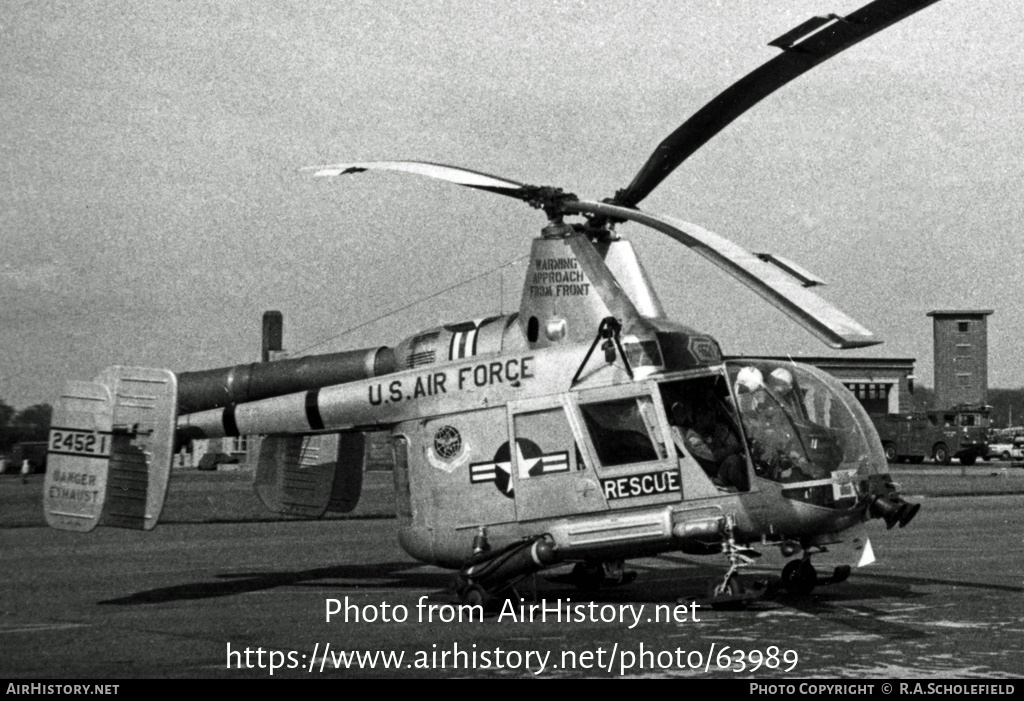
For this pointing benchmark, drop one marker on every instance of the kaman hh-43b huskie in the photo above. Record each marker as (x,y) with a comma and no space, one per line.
(587,428)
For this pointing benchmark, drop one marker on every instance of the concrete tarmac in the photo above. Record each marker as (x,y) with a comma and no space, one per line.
(187,600)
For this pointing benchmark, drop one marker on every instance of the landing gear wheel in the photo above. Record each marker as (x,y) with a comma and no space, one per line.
(799,577)
(475,595)
(728,590)
(890,452)
(941,455)
(587,576)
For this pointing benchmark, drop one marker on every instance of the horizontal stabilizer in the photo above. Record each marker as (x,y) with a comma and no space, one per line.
(110,449)
(310,475)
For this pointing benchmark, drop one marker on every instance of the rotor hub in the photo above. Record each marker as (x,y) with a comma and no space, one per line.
(557,230)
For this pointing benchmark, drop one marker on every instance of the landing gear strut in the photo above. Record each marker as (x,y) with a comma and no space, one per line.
(731,590)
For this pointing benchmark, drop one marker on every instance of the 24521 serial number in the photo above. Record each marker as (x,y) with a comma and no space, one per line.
(69,441)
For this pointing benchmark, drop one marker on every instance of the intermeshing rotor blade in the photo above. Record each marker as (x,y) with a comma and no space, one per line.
(786,294)
(608,289)
(452,174)
(804,47)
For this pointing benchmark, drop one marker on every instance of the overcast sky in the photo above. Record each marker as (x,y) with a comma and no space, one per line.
(152,207)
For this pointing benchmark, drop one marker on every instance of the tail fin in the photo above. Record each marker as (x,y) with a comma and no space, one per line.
(310,475)
(110,450)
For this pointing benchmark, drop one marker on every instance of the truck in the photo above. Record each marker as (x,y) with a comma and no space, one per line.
(942,434)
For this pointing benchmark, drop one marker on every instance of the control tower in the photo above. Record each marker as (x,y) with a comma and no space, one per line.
(961,356)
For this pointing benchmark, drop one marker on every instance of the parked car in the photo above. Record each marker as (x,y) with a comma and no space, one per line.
(1017,452)
(1001,449)
(210,461)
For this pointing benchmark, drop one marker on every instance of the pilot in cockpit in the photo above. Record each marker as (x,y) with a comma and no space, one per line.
(699,432)
(775,445)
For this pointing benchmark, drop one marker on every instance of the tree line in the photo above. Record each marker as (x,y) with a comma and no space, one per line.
(31,424)
(1007,407)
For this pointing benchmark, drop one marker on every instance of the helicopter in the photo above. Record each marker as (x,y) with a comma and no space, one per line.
(585,429)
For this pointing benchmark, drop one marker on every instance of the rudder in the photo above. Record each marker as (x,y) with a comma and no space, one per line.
(110,450)
(310,475)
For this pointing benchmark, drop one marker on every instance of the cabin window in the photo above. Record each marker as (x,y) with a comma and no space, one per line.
(643,354)
(624,431)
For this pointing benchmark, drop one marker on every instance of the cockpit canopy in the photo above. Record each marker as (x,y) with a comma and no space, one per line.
(803,426)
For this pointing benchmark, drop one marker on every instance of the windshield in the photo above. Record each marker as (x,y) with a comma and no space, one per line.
(804,428)
(973,420)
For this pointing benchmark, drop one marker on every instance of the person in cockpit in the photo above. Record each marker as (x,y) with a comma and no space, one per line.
(697,431)
(776,448)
